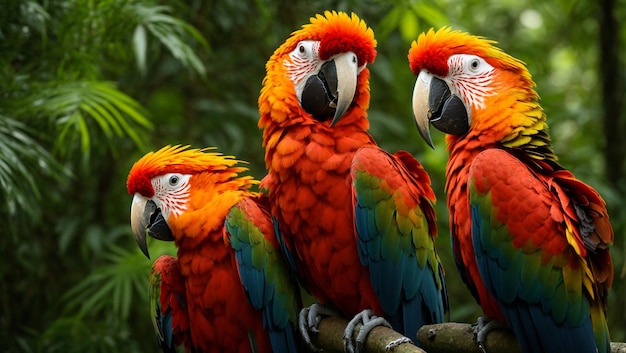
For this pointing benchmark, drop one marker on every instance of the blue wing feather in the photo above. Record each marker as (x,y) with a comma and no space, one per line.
(167,298)
(530,291)
(263,272)
(288,254)
(398,248)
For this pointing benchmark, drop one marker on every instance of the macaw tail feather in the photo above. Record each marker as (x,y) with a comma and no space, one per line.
(537,331)
(600,329)
(284,341)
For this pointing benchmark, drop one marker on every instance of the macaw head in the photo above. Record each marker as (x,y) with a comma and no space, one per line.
(319,72)
(169,183)
(466,83)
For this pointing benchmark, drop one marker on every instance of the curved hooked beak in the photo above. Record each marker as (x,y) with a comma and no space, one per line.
(146,219)
(330,91)
(433,103)
(421,108)
(347,72)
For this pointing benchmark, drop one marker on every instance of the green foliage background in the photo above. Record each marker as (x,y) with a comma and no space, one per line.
(89,86)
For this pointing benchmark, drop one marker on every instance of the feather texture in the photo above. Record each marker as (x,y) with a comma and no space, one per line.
(264,275)
(167,304)
(395,227)
(530,240)
(531,258)
(322,195)
(217,295)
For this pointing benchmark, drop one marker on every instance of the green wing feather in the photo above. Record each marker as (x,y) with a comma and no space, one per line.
(263,272)
(167,305)
(395,224)
(528,242)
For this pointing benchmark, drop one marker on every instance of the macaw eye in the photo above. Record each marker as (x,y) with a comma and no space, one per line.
(174,179)
(304,50)
(474,64)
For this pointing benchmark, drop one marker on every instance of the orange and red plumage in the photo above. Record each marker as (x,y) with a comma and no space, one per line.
(168,308)
(520,223)
(309,164)
(202,288)
(312,168)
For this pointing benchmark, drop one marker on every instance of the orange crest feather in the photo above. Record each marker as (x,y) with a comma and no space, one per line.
(432,49)
(337,32)
(176,159)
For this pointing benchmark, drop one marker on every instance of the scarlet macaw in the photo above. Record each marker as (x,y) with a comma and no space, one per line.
(228,290)
(530,240)
(357,223)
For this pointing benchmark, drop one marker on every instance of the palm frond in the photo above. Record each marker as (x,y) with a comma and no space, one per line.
(22,161)
(79,107)
(172,32)
(111,286)
(116,284)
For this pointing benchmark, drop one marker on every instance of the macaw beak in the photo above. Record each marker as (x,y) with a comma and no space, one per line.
(331,91)
(421,108)
(347,71)
(433,103)
(146,219)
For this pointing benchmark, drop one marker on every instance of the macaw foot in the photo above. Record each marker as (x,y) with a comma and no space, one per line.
(308,320)
(482,327)
(368,321)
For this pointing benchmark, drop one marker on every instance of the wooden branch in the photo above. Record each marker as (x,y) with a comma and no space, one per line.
(448,337)
(456,337)
(330,338)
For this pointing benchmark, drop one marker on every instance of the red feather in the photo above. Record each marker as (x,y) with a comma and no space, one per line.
(216,312)
(309,163)
(506,154)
